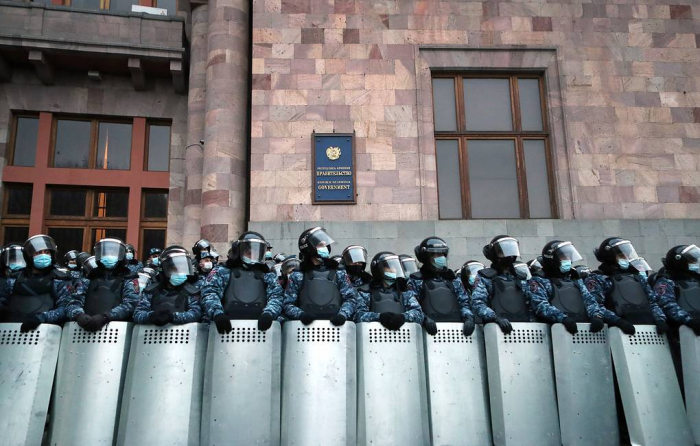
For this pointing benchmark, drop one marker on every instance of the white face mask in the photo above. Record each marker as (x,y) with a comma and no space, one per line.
(207,266)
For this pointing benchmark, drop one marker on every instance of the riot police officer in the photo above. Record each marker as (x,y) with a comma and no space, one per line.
(559,295)
(678,286)
(13,260)
(440,291)
(499,295)
(319,290)
(468,274)
(112,291)
(621,290)
(41,292)
(409,264)
(153,259)
(287,267)
(535,266)
(71,262)
(387,298)
(174,298)
(131,260)
(245,288)
(355,260)
(200,246)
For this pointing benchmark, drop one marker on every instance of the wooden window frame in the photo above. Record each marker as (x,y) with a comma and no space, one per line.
(12,220)
(462,135)
(12,140)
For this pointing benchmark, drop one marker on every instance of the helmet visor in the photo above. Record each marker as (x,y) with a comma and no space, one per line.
(472,268)
(39,243)
(567,251)
(506,247)
(535,265)
(691,254)
(252,249)
(144,278)
(354,254)
(13,255)
(89,265)
(410,266)
(391,264)
(290,265)
(177,263)
(640,265)
(318,238)
(522,271)
(624,250)
(109,247)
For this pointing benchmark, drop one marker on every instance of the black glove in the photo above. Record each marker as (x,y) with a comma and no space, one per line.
(626,327)
(31,324)
(468,326)
(83,320)
(162,318)
(597,324)
(695,325)
(570,325)
(385,319)
(338,320)
(265,321)
(223,324)
(397,321)
(97,322)
(504,325)
(306,318)
(661,327)
(430,326)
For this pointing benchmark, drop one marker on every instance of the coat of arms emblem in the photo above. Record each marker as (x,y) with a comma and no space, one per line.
(333,153)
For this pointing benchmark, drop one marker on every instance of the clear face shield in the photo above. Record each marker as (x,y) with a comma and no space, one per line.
(691,254)
(144,279)
(354,254)
(506,247)
(522,272)
(624,251)
(410,266)
(319,238)
(391,268)
(89,265)
(473,268)
(290,265)
(640,265)
(535,265)
(252,250)
(13,258)
(177,263)
(109,248)
(39,243)
(567,251)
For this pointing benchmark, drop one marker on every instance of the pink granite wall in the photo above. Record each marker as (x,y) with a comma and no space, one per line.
(628,100)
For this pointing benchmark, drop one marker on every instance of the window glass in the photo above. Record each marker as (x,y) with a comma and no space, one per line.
(111,203)
(68,202)
(72,144)
(449,184)
(25,142)
(158,148)
(152,238)
(15,234)
(66,239)
(100,233)
(114,146)
(444,104)
(155,205)
(19,200)
(493,182)
(487,105)
(530,105)
(122,5)
(537,178)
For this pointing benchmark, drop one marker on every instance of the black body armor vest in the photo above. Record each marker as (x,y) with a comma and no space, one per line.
(568,299)
(245,296)
(319,294)
(103,294)
(31,296)
(439,301)
(508,301)
(629,300)
(688,295)
(386,301)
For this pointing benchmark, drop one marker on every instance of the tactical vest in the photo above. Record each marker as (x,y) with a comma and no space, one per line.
(31,296)
(688,295)
(386,301)
(508,301)
(172,300)
(103,295)
(629,300)
(245,296)
(439,301)
(568,299)
(319,294)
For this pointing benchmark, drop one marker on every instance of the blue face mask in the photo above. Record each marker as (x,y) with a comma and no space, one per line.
(389,278)
(129,256)
(439,262)
(156,261)
(42,261)
(109,262)
(643,274)
(623,264)
(16,266)
(472,279)
(694,267)
(323,252)
(565,266)
(246,259)
(72,266)
(268,255)
(177,279)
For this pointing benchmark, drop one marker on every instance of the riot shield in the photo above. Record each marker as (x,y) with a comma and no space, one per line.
(89,383)
(457,386)
(521,385)
(319,385)
(690,353)
(242,383)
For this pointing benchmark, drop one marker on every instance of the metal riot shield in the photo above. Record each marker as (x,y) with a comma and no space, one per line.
(242,386)
(521,385)
(651,396)
(457,386)
(690,353)
(162,399)
(319,385)
(392,400)
(89,383)
(27,368)
(585,387)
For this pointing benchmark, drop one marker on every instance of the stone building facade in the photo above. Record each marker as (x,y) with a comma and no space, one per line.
(620,101)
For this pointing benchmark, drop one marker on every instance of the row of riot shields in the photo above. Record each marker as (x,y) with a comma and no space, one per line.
(326,385)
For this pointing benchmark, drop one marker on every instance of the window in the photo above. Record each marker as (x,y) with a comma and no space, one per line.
(15,213)
(115,5)
(158,148)
(154,215)
(93,144)
(26,131)
(492,146)
(155,205)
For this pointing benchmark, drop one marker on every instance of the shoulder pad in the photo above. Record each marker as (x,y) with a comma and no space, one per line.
(61,274)
(417,276)
(190,288)
(488,273)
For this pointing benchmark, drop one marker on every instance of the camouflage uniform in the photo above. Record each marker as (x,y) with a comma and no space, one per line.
(601,285)
(134,267)
(416,285)
(342,281)
(541,293)
(665,290)
(63,292)
(143,311)
(483,290)
(122,312)
(412,313)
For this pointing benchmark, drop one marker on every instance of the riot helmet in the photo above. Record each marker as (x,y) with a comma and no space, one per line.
(177,267)
(558,257)
(109,252)
(616,251)
(81,258)
(315,243)
(279,257)
(89,265)
(386,266)
(70,259)
(40,251)
(290,265)
(409,264)
(130,253)
(200,246)
(433,252)
(355,259)
(502,248)
(13,257)
(469,271)
(206,262)
(683,258)
(535,265)
(154,256)
(583,271)
(521,270)
(249,249)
